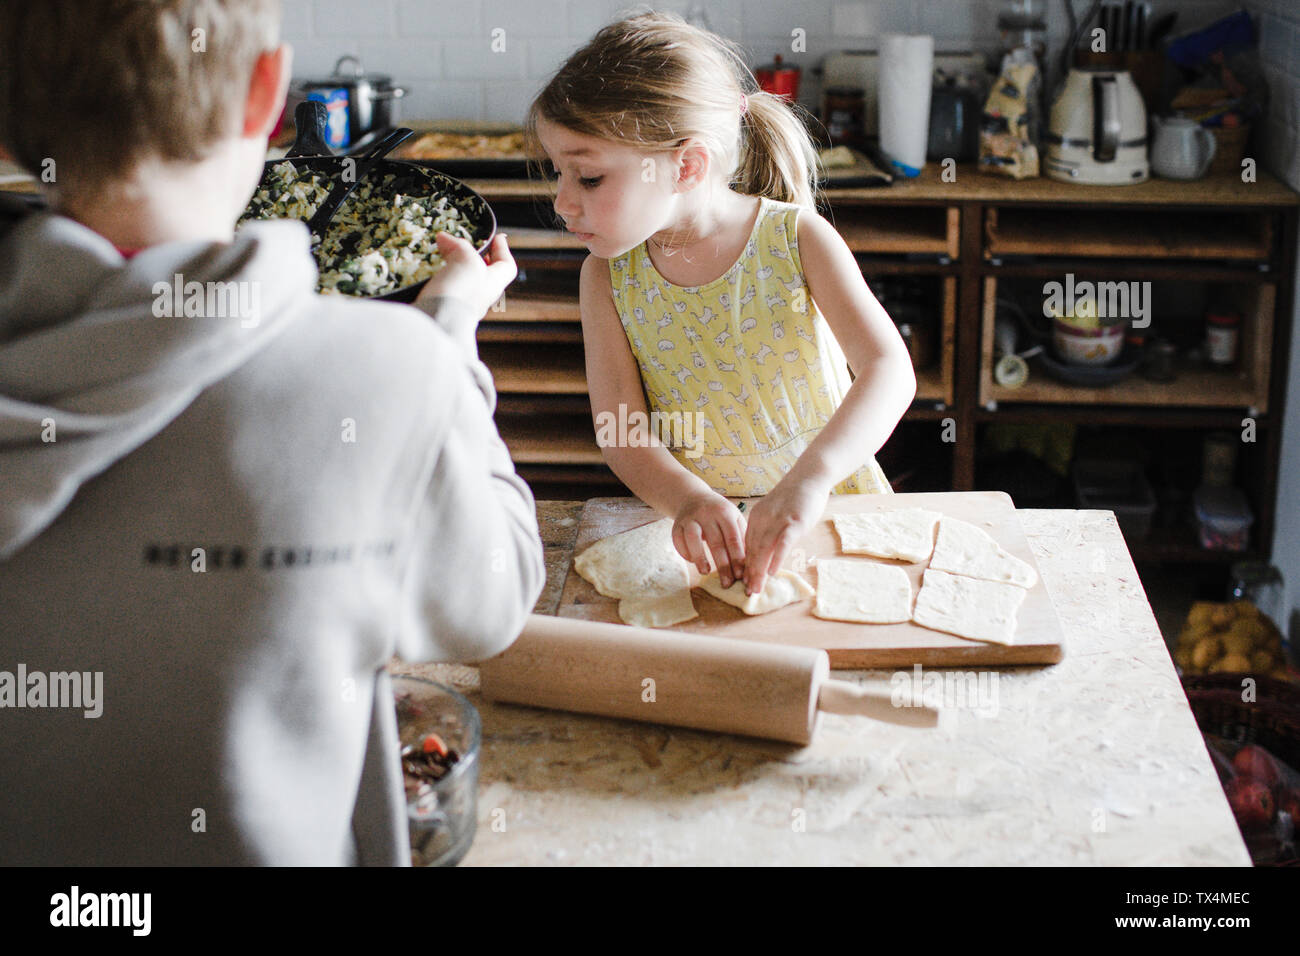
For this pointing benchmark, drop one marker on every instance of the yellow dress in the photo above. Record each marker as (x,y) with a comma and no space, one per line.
(748,355)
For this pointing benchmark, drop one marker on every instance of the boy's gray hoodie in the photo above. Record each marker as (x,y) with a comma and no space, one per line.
(225,524)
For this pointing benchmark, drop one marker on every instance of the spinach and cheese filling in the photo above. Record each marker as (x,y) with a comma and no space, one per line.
(378,242)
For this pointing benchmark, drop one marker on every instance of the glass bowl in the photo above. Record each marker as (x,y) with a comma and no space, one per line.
(442,815)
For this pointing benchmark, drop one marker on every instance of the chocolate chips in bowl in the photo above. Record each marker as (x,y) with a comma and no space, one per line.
(440,737)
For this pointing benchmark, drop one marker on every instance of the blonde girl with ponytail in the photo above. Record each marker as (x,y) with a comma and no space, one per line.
(715,295)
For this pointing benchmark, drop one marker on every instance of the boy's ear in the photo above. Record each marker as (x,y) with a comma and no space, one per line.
(692,164)
(267,88)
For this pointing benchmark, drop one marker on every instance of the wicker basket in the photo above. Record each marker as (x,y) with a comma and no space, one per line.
(1272,721)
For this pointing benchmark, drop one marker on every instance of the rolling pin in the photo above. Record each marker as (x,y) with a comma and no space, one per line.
(680,678)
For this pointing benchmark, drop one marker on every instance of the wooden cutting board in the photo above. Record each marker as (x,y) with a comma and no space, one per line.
(1039,637)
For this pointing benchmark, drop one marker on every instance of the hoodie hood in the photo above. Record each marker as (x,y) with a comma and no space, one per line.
(99,353)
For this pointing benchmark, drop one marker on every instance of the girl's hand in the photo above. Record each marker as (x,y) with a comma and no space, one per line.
(467,277)
(709,521)
(776,522)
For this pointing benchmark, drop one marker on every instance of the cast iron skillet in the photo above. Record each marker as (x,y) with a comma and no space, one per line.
(310,152)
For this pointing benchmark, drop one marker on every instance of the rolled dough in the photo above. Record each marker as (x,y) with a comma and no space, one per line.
(642,568)
(968,607)
(640,563)
(862,591)
(905,535)
(962,548)
(780,589)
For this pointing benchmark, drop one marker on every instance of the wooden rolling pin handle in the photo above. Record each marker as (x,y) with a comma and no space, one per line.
(842,697)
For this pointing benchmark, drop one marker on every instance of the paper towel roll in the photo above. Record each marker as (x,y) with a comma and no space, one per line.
(906,75)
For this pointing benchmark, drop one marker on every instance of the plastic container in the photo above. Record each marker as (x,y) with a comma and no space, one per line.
(442,816)
(1118,486)
(1223,518)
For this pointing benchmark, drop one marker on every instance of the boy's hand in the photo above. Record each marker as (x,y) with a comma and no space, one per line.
(709,521)
(467,277)
(776,522)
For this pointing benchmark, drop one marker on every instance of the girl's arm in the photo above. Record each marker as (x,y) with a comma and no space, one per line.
(702,517)
(883,388)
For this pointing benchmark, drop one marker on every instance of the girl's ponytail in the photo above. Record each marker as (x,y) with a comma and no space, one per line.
(777,158)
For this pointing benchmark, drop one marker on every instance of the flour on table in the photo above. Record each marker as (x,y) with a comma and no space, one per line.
(862,591)
(962,548)
(968,607)
(780,589)
(905,535)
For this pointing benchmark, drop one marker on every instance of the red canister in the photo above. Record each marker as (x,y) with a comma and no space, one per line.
(779,79)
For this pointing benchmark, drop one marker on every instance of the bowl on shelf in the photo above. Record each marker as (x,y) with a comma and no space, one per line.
(441,736)
(1092,376)
(1092,347)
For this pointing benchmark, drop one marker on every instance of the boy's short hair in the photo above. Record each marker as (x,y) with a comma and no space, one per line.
(96,85)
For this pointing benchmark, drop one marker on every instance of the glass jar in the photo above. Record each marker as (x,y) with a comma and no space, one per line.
(1221,333)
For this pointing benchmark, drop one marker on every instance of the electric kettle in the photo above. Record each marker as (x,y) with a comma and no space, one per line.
(1098,130)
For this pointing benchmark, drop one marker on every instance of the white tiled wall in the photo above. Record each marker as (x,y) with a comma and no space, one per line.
(443,51)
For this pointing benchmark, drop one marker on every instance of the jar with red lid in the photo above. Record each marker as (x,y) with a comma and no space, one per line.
(1222,330)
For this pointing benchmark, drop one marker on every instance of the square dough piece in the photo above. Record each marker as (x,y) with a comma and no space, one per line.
(968,607)
(904,535)
(962,548)
(641,563)
(862,591)
(780,589)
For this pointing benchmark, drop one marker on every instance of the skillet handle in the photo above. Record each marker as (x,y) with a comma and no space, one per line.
(310,117)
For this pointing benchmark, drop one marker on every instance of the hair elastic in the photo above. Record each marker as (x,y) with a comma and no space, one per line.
(744,104)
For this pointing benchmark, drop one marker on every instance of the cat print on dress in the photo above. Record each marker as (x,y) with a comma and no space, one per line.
(763,427)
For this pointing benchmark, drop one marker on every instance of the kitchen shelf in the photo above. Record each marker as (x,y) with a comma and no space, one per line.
(558,333)
(536,369)
(522,237)
(1244,387)
(1159,235)
(552,440)
(927,230)
(1182,545)
(536,307)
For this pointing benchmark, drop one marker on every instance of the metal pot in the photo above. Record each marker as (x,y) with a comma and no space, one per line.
(372,97)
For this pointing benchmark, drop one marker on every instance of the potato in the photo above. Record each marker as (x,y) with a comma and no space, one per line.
(1245,609)
(1199,615)
(1206,652)
(1221,617)
(1262,661)
(1239,638)
(1232,664)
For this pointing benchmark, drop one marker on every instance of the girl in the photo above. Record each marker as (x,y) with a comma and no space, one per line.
(714,289)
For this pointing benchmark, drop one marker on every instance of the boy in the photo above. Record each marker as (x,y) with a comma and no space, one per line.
(216,529)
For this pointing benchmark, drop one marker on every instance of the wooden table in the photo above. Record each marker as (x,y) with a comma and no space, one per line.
(1094,761)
